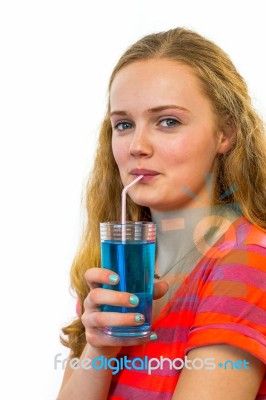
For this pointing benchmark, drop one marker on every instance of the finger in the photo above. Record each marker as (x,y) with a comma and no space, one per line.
(99,319)
(160,288)
(96,276)
(99,296)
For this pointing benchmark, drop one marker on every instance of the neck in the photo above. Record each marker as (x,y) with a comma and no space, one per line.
(179,232)
(175,234)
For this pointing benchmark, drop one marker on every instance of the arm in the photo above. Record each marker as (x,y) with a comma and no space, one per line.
(83,383)
(220,383)
(86,383)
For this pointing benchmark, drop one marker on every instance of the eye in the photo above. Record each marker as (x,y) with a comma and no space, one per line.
(123,125)
(168,122)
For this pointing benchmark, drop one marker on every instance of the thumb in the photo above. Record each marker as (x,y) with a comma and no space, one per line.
(160,288)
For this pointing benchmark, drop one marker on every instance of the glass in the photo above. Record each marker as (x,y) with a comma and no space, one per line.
(129,250)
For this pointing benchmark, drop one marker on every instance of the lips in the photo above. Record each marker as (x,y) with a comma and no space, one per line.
(148,174)
(145,172)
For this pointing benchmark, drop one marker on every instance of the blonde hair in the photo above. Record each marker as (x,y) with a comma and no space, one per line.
(243,166)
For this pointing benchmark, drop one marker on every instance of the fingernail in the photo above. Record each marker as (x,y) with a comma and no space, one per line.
(139,318)
(133,300)
(113,278)
(153,336)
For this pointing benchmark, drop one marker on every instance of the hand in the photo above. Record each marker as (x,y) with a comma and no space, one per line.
(94,320)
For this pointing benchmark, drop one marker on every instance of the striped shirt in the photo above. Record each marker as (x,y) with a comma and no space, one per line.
(223,300)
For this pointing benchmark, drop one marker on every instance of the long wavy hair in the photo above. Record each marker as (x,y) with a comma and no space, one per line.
(243,166)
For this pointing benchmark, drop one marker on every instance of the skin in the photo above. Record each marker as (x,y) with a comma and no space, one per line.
(77,383)
(180,143)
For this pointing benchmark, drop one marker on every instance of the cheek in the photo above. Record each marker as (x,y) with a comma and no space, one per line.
(175,152)
(202,146)
(119,152)
(189,152)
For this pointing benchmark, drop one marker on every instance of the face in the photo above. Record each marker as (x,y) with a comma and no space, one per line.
(164,128)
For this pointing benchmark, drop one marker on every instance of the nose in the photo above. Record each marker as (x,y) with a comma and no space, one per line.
(141,145)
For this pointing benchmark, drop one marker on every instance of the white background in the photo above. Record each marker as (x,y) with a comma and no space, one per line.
(56,58)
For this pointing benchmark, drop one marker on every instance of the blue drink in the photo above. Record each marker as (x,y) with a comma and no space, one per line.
(133,260)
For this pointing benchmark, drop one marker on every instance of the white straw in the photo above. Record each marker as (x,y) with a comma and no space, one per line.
(124,194)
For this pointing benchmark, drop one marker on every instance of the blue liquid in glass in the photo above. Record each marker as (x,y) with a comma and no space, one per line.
(133,261)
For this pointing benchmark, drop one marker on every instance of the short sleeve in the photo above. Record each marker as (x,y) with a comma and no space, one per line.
(232,303)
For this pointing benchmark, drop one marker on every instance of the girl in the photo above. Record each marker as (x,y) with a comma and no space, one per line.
(178,113)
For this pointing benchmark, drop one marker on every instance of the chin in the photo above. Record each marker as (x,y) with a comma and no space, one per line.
(145,202)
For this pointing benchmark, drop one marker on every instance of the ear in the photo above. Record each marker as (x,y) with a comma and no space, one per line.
(226,136)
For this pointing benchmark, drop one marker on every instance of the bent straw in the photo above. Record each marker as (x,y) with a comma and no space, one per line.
(124,193)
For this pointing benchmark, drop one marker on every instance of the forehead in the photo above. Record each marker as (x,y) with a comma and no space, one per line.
(155,79)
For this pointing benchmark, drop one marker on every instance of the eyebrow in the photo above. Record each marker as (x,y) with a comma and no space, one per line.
(154,109)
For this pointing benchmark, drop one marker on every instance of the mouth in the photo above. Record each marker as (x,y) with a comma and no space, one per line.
(148,174)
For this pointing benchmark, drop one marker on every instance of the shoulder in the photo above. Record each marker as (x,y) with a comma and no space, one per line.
(243,243)
(248,233)
(244,232)
(237,263)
